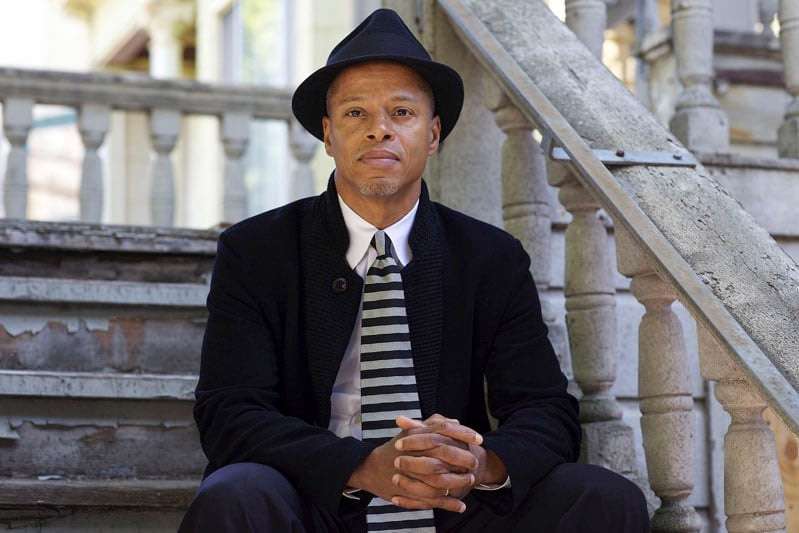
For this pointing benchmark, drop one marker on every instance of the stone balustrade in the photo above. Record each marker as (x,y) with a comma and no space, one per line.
(668,256)
(166,102)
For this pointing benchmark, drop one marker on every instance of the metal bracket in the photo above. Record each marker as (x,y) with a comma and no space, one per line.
(622,158)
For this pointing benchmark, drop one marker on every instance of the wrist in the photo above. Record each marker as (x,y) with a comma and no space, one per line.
(494,471)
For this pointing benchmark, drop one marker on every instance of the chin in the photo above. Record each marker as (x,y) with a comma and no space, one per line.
(377,189)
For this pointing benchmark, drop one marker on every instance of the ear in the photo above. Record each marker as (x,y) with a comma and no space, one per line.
(326,135)
(435,135)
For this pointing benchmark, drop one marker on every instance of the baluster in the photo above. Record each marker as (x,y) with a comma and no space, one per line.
(667,421)
(235,138)
(303,147)
(788,135)
(17,122)
(590,290)
(753,498)
(699,122)
(766,10)
(526,212)
(590,299)
(164,130)
(93,124)
(588,20)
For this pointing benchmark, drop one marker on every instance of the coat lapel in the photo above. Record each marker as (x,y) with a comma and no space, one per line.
(330,310)
(422,280)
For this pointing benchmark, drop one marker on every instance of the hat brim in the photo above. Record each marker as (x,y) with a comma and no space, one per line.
(309,100)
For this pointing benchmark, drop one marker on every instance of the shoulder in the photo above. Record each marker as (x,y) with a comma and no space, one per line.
(275,227)
(465,234)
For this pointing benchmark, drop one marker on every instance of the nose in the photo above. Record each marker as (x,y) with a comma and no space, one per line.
(380,128)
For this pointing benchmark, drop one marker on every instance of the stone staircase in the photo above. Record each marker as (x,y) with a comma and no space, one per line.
(100,326)
(100,332)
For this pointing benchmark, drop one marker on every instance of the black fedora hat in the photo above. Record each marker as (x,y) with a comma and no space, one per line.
(381,36)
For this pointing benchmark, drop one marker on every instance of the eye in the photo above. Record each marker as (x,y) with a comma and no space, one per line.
(354,113)
(403,112)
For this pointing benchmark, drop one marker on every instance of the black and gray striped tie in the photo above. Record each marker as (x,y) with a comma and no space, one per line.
(388,384)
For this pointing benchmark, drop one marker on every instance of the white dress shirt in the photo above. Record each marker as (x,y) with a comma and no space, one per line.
(345,400)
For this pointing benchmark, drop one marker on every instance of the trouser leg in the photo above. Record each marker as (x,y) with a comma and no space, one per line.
(250,497)
(572,498)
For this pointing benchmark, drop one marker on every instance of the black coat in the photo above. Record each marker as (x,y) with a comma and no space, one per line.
(282,307)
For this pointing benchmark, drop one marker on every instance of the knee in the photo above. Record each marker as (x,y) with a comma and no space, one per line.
(616,492)
(237,484)
(609,497)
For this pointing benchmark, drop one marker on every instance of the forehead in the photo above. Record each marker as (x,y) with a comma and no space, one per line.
(381,74)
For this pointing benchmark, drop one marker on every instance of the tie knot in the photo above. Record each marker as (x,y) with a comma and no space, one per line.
(381,243)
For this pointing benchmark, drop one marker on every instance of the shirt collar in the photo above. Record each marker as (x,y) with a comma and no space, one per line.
(361,233)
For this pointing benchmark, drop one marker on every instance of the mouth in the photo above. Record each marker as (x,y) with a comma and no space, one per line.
(379,158)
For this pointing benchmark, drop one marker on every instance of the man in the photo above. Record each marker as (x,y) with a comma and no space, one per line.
(349,337)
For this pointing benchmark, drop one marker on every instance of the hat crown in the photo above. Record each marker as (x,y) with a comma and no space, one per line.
(381,33)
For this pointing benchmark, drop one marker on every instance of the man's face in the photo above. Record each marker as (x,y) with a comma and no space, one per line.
(380,129)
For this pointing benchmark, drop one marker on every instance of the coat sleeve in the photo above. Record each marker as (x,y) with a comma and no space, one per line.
(238,401)
(538,420)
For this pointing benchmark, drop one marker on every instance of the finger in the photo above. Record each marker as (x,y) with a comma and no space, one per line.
(440,440)
(420,465)
(415,488)
(457,432)
(409,423)
(451,455)
(435,445)
(450,429)
(453,482)
(449,504)
(437,418)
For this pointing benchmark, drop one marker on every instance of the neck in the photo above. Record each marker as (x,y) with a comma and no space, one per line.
(381,211)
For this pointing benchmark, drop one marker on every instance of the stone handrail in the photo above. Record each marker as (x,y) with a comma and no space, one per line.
(95,95)
(679,237)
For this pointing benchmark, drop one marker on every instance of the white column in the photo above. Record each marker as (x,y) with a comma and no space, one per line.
(17,122)
(788,135)
(235,134)
(753,498)
(667,421)
(93,123)
(164,130)
(303,146)
(766,10)
(168,20)
(699,122)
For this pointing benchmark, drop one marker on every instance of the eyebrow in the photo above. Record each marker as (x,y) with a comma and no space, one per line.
(358,98)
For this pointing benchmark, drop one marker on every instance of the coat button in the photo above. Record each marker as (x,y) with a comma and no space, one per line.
(339,284)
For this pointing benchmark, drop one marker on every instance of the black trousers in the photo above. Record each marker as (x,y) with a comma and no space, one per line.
(250,497)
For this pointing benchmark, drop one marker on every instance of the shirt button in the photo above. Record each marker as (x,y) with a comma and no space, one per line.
(339,284)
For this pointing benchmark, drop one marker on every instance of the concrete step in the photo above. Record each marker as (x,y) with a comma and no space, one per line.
(87,297)
(146,505)
(97,426)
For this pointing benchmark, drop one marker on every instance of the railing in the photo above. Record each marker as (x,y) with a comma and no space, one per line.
(96,95)
(678,237)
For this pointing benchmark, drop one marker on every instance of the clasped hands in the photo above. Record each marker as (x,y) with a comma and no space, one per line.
(429,464)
